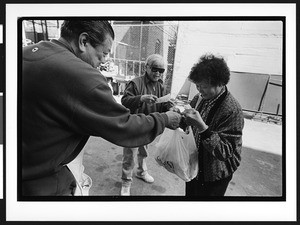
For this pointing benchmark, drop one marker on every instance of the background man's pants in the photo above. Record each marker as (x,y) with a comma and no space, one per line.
(62,183)
(128,162)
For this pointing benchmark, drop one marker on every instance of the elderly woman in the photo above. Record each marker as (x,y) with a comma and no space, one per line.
(217,121)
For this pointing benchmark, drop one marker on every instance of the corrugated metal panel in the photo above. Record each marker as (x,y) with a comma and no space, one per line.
(185,89)
(273,99)
(248,89)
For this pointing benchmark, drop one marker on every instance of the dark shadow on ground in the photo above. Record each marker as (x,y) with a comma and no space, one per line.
(260,174)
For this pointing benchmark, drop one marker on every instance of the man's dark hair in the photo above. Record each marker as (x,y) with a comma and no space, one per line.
(96,30)
(212,69)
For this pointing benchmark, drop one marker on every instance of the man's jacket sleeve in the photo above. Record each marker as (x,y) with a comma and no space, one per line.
(98,114)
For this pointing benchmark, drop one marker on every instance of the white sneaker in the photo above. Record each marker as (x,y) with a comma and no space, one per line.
(145,177)
(125,190)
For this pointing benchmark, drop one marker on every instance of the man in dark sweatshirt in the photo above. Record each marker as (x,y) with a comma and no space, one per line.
(65,100)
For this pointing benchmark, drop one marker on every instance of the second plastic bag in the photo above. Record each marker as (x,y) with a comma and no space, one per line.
(177,152)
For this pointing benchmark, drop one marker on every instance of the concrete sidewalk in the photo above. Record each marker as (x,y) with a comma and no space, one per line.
(260,172)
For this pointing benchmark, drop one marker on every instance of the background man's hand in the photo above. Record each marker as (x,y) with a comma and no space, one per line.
(148,99)
(174,119)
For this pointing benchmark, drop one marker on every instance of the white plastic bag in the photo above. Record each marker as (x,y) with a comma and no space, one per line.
(83,181)
(177,152)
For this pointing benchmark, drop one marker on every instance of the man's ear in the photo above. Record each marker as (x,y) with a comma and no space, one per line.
(82,41)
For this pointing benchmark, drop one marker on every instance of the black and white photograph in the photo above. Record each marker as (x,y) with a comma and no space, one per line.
(133,111)
(153,58)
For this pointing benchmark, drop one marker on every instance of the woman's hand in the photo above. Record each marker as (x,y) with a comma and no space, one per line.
(193,117)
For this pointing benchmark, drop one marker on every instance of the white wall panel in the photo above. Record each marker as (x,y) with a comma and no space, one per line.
(248,46)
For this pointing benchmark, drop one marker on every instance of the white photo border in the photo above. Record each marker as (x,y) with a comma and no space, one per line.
(1,127)
(156,211)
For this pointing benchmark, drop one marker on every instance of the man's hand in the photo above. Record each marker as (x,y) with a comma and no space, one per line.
(174,109)
(193,117)
(174,119)
(148,99)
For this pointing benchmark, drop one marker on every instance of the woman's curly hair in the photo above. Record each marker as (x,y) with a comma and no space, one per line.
(212,69)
